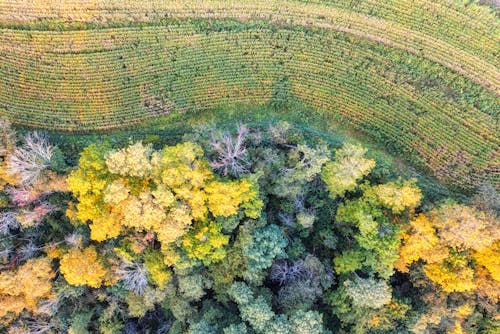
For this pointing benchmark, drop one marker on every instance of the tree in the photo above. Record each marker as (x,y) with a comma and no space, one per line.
(305,164)
(463,227)
(224,198)
(236,329)
(156,270)
(139,305)
(83,267)
(368,292)
(420,242)
(398,196)
(202,327)
(31,159)
(257,311)
(377,237)
(347,168)
(232,153)
(133,276)
(267,243)
(134,160)
(447,240)
(307,322)
(454,250)
(163,192)
(192,282)
(301,282)
(25,286)
(205,242)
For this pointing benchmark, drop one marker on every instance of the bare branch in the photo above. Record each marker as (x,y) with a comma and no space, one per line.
(8,221)
(232,153)
(31,159)
(29,218)
(21,196)
(133,276)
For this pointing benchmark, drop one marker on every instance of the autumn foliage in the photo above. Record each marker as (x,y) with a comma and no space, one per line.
(454,241)
(164,192)
(289,236)
(22,288)
(83,267)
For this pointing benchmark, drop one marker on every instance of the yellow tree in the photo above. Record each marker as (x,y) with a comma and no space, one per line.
(163,192)
(459,247)
(22,288)
(398,196)
(83,267)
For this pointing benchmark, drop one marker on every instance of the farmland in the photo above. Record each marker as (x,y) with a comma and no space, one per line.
(429,89)
(249,166)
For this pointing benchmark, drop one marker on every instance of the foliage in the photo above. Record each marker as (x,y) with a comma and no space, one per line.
(348,167)
(267,244)
(139,189)
(205,242)
(398,197)
(368,292)
(306,162)
(258,313)
(154,241)
(156,270)
(301,282)
(454,247)
(83,267)
(306,322)
(138,305)
(447,241)
(463,227)
(377,237)
(25,286)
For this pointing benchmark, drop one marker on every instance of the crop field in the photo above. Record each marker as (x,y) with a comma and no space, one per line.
(422,77)
(250,166)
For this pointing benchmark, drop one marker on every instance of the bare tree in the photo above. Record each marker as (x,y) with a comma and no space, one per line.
(33,217)
(282,272)
(35,325)
(48,306)
(5,252)
(286,219)
(27,251)
(31,159)
(8,221)
(21,196)
(232,153)
(133,276)
(75,240)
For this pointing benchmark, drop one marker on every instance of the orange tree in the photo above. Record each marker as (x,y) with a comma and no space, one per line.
(455,249)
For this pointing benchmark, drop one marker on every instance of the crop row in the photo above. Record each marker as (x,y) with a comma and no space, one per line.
(349,80)
(476,58)
(448,20)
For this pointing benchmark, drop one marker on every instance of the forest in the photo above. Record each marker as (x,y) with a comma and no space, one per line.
(252,229)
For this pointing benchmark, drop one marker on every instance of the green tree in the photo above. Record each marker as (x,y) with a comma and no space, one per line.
(267,243)
(347,168)
(368,292)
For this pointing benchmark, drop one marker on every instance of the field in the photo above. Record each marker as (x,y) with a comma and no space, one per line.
(422,77)
(250,166)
